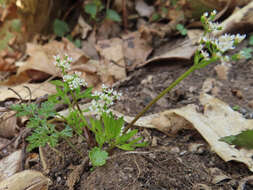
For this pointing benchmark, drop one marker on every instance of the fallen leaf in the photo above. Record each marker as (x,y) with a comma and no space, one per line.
(136,50)
(26,180)
(10,165)
(222,71)
(8,125)
(37,90)
(182,51)
(240,21)
(143,9)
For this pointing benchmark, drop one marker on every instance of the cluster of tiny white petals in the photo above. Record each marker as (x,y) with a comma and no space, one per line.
(104,99)
(63,64)
(205,54)
(225,42)
(74,81)
(212,26)
(209,45)
(239,38)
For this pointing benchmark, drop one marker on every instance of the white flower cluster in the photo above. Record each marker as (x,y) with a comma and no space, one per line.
(104,99)
(74,81)
(63,64)
(210,45)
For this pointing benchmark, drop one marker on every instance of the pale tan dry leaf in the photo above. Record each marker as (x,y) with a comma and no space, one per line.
(182,51)
(26,180)
(41,57)
(37,90)
(112,50)
(222,71)
(217,120)
(8,125)
(81,28)
(143,9)
(10,165)
(136,50)
(239,21)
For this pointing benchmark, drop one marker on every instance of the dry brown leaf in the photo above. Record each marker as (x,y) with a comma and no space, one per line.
(37,90)
(41,57)
(143,9)
(217,120)
(180,51)
(136,50)
(8,125)
(10,165)
(26,180)
(240,21)
(222,71)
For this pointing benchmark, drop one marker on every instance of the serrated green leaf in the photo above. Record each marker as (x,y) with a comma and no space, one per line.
(244,139)
(61,28)
(181,29)
(246,52)
(98,157)
(124,138)
(58,83)
(126,147)
(91,9)
(86,94)
(113,15)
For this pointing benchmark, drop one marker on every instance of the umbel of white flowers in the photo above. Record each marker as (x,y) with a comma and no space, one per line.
(102,100)
(210,45)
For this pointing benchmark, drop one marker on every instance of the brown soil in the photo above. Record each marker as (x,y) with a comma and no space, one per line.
(183,161)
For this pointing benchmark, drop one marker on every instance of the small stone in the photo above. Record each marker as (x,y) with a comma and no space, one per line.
(174,150)
(251,103)
(58,179)
(222,71)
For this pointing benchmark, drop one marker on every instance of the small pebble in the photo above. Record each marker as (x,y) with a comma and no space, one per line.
(58,179)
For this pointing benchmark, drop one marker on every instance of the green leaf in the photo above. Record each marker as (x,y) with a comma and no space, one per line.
(98,157)
(91,9)
(126,147)
(246,52)
(60,28)
(86,94)
(124,138)
(58,83)
(244,139)
(155,17)
(112,126)
(97,129)
(181,29)
(78,43)
(113,15)
(16,25)
(251,40)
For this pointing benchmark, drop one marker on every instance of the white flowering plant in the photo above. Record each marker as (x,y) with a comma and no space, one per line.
(107,129)
(211,49)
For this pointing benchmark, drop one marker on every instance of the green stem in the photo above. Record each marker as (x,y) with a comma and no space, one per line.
(73,147)
(172,85)
(86,131)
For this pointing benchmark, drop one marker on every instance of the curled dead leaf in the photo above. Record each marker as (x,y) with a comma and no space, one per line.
(26,180)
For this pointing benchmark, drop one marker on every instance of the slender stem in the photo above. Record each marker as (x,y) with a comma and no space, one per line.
(73,147)
(172,85)
(86,131)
